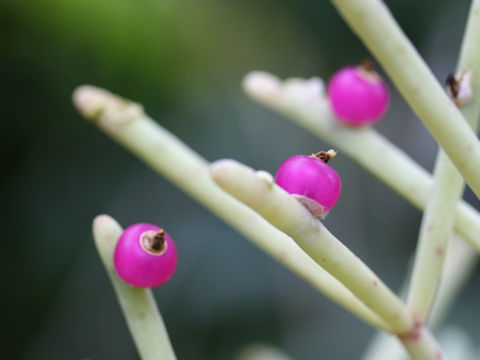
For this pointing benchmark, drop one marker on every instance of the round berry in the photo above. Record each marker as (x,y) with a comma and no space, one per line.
(145,255)
(358,95)
(311,180)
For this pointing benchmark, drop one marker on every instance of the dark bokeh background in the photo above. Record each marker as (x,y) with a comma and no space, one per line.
(184,60)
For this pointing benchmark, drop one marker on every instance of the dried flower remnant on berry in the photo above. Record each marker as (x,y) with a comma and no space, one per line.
(145,256)
(358,95)
(325,156)
(313,182)
(154,241)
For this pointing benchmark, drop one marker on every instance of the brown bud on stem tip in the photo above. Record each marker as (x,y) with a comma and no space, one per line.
(459,87)
(452,85)
(325,156)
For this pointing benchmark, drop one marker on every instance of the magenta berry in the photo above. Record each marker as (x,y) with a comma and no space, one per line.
(311,180)
(145,256)
(358,95)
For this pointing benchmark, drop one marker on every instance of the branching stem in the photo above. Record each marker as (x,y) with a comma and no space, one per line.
(287,214)
(304,102)
(126,123)
(439,215)
(374,24)
(138,305)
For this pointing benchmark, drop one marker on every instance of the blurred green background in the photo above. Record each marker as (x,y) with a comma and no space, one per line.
(184,60)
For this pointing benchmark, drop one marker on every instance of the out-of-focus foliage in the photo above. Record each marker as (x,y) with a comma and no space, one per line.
(184,61)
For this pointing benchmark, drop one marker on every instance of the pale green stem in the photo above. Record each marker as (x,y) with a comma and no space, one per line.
(435,231)
(469,59)
(126,123)
(439,215)
(421,345)
(138,305)
(459,266)
(374,24)
(304,102)
(287,214)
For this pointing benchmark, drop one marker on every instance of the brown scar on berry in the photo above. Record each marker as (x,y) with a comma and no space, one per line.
(375,283)
(158,240)
(325,156)
(154,241)
(367,65)
(368,70)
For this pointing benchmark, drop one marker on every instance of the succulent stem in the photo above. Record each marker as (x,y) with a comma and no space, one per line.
(127,124)
(138,305)
(439,216)
(284,212)
(310,109)
(374,24)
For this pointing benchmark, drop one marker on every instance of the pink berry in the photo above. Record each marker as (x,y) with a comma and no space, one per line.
(358,95)
(145,256)
(311,180)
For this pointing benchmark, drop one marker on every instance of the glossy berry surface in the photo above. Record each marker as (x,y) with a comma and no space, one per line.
(145,256)
(358,96)
(312,181)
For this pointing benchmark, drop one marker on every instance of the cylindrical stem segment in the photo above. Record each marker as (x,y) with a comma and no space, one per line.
(286,213)
(138,305)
